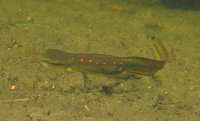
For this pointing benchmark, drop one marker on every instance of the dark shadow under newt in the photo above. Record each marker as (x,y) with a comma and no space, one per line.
(119,67)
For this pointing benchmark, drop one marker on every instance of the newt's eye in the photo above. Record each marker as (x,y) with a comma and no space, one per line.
(50,62)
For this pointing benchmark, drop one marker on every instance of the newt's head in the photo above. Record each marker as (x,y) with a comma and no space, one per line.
(54,58)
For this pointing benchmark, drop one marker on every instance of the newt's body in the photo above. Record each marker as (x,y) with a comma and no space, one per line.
(122,67)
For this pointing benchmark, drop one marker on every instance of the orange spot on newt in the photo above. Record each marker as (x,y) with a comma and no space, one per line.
(90,60)
(81,60)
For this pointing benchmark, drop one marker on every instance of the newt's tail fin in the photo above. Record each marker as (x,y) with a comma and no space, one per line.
(146,66)
(160,52)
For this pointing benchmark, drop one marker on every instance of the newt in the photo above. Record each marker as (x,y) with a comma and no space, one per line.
(120,67)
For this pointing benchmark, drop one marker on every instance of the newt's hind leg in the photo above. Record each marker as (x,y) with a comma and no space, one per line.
(126,75)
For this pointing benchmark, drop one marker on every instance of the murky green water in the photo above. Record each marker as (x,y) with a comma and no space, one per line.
(31,92)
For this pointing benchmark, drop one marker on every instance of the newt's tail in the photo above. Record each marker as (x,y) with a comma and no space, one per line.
(160,52)
(146,66)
